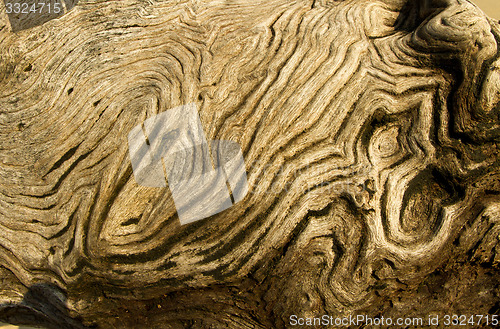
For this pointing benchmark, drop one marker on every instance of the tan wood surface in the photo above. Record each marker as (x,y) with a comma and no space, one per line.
(370,132)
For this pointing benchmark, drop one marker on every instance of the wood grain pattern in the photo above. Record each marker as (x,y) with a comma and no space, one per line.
(370,132)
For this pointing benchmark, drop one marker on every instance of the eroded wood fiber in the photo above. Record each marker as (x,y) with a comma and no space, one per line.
(370,132)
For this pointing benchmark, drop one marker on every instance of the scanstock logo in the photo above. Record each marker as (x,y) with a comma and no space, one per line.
(171,148)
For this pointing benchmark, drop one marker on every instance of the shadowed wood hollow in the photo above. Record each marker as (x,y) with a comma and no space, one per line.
(370,132)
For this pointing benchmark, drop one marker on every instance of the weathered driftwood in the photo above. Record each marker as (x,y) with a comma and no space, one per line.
(370,132)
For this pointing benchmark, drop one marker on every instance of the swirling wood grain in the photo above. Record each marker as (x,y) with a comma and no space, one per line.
(370,132)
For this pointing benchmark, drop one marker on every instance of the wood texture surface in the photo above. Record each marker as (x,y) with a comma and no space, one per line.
(370,132)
